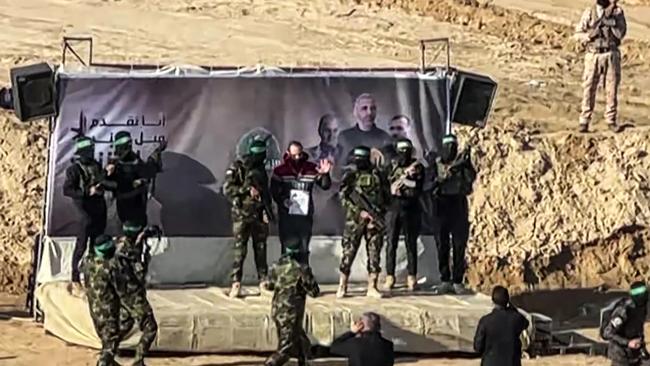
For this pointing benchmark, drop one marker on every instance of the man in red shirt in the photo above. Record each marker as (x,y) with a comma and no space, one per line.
(292,183)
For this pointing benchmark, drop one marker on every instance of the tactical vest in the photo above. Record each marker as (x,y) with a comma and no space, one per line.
(90,174)
(604,39)
(369,183)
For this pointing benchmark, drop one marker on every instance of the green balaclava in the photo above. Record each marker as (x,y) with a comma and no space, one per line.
(122,145)
(361,157)
(104,247)
(256,153)
(131,229)
(404,149)
(84,148)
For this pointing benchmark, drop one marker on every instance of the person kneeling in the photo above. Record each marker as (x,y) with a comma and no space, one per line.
(292,282)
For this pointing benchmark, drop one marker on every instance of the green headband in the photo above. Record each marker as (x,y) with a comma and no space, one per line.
(447,139)
(130,228)
(257,149)
(289,250)
(361,152)
(122,141)
(638,291)
(81,144)
(102,248)
(403,145)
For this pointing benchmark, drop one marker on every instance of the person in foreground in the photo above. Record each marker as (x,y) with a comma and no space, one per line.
(497,337)
(292,281)
(624,329)
(363,345)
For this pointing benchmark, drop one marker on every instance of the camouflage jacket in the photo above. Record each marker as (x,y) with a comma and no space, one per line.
(102,295)
(292,283)
(411,187)
(237,185)
(372,183)
(130,269)
(456,178)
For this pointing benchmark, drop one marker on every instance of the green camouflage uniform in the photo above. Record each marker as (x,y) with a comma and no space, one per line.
(292,283)
(248,215)
(375,186)
(104,305)
(130,285)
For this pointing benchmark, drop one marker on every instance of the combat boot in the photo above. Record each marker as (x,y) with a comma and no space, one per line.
(235,290)
(443,288)
(460,289)
(343,286)
(373,292)
(389,283)
(265,287)
(411,283)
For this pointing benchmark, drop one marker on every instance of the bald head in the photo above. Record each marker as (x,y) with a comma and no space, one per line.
(365,111)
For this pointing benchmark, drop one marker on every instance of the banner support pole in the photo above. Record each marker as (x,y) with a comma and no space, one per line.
(448,74)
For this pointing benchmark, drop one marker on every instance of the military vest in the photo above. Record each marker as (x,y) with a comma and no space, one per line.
(369,182)
(91,173)
(604,38)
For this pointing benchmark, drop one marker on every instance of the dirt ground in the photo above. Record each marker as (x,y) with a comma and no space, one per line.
(550,209)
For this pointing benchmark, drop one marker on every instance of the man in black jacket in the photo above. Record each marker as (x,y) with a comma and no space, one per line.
(497,336)
(363,345)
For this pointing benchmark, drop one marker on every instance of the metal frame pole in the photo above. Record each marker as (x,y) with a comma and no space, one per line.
(448,76)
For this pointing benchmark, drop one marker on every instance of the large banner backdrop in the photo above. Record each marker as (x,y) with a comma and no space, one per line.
(206,121)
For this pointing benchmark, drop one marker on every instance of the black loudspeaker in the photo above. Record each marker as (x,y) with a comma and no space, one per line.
(472,97)
(33,91)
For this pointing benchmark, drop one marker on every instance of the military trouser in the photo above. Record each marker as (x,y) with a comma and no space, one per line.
(243,230)
(453,232)
(93,224)
(292,339)
(105,317)
(601,65)
(133,210)
(296,229)
(407,220)
(353,232)
(135,308)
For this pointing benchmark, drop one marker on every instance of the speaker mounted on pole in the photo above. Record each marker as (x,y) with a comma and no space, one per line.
(472,97)
(34,92)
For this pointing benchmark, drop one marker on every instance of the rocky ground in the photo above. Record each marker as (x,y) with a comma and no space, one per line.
(552,208)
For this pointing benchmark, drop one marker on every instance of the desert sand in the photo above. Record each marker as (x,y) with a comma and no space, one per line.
(551,208)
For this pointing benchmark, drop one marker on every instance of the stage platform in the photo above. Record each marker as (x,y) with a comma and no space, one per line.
(205,320)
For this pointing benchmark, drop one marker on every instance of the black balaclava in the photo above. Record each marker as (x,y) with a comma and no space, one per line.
(85,149)
(256,154)
(361,156)
(122,145)
(603,3)
(131,229)
(449,149)
(104,247)
(404,149)
(639,293)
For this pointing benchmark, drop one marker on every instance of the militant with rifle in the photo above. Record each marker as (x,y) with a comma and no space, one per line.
(403,179)
(361,200)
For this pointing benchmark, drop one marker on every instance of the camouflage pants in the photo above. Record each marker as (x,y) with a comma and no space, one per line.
(243,230)
(601,65)
(292,339)
(135,308)
(352,234)
(105,317)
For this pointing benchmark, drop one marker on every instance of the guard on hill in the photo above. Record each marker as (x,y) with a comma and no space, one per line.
(132,176)
(406,177)
(131,289)
(454,180)
(623,328)
(364,196)
(103,300)
(601,30)
(292,282)
(247,188)
(84,183)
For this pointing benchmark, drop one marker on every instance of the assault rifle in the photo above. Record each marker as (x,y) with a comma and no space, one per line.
(401,181)
(254,179)
(463,159)
(361,200)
